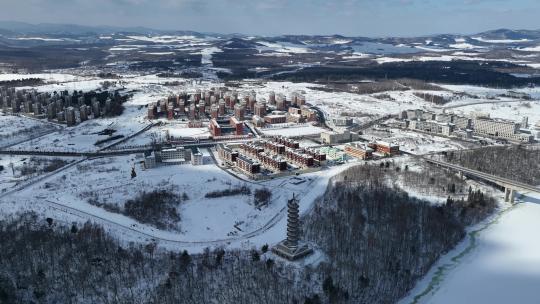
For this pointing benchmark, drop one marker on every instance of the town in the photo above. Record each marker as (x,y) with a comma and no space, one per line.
(222,165)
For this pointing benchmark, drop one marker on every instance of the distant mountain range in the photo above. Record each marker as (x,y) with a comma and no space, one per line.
(22,28)
(12,28)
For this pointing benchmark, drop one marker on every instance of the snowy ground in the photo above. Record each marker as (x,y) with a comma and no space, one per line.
(413,142)
(14,129)
(506,110)
(9,178)
(502,266)
(10,175)
(205,222)
(292,130)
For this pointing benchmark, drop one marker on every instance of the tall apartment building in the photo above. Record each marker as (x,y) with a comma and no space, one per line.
(260,109)
(51,111)
(272,98)
(70,116)
(83,110)
(239,112)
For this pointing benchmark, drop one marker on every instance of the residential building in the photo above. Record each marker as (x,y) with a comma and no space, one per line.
(360,151)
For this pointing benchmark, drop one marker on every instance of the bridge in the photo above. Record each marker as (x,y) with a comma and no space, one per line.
(510,186)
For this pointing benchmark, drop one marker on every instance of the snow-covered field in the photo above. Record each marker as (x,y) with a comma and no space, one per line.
(14,129)
(292,130)
(7,177)
(414,142)
(497,107)
(501,266)
(205,222)
(11,166)
(506,110)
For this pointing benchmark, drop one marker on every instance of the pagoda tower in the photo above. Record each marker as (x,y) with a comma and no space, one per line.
(292,248)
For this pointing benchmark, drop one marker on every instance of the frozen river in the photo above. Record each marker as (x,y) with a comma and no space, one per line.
(502,267)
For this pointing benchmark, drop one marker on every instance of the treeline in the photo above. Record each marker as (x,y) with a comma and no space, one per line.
(373,87)
(158,208)
(379,240)
(432,181)
(238,190)
(42,262)
(21,82)
(455,72)
(436,99)
(36,165)
(518,163)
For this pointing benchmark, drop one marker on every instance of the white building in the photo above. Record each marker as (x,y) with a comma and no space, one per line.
(500,128)
(432,126)
(173,156)
(343,121)
(335,138)
(150,161)
(196,157)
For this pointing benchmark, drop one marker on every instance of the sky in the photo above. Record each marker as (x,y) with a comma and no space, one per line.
(274,17)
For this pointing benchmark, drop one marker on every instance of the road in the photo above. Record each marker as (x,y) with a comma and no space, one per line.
(155,236)
(479,102)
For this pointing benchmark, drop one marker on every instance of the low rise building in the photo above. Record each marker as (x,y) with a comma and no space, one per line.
(275,119)
(360,151)
(248,165)
(336,138)
(384,147)
(343,121)
(499,128)
(173,156)
(272,162)
(227,154)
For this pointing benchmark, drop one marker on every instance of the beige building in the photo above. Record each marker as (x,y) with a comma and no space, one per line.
(336,138)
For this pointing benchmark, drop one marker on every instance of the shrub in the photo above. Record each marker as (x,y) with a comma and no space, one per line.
(239,190)
(157,208)
(262,196)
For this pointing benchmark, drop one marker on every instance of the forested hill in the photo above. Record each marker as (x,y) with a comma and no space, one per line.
(378,242)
